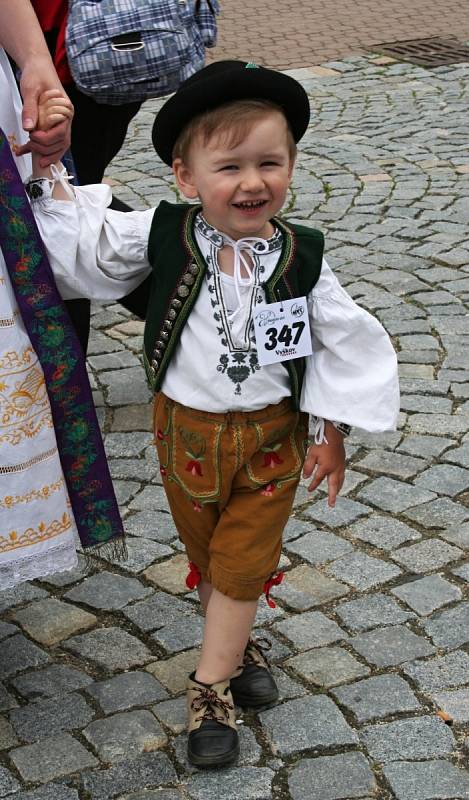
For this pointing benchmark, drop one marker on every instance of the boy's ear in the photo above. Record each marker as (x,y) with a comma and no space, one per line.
(184,179)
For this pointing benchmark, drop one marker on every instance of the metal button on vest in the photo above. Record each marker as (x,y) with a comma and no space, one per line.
(176,304)
(167,325)
(160,345)
(188,279)
(172,314)
(164,335)
(194,269)
(155,364)
(157,353)
(183,291)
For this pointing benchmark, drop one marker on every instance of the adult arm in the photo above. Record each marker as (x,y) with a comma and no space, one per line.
(22,38)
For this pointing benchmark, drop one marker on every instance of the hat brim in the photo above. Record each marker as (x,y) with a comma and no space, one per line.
(214,89)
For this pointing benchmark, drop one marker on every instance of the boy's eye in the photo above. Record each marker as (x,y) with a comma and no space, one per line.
(270,164)
(228,167)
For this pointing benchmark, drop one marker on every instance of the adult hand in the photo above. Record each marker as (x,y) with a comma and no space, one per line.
(37,76)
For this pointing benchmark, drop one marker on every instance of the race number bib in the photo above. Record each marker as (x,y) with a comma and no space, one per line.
(282,331)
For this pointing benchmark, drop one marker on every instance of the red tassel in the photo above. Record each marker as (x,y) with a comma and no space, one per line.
(194,577)
(275,580)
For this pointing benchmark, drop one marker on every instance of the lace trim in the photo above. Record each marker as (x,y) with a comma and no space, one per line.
(59,558)
(216,238)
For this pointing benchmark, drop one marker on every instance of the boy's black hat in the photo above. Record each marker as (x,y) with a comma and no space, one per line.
(222,82)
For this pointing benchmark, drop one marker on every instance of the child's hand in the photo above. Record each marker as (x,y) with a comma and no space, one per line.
(327,460)
(53,108)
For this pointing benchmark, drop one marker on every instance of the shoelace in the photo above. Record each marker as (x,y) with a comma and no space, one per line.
(208,702)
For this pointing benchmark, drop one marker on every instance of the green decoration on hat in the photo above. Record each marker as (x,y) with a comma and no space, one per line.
(251,65)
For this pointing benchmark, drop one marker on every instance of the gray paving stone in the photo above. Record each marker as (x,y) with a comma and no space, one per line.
(172,713)
(50,791)
(377,697)
(311,629)
(347,775)
(181,633)
(426,555)
(7,630)
(246,783)
(449,628)
(141,553)
(457,535)
(440,513)
(345,512)
(127,690)
(305,724)
(388,494)
(7,735)
(426,595)
(426,780)
(386,647)
(454,703)
(108,591)
(295,528)
(443,672)
(287,687)
(69,576)
(50,620)
(154,525)
(23,593)
(53,681)
(125,386)
(6,700)
(18,654)
(362,571)
(444,424)
(125,735)
(51,758)
(387,533)
(147,771)
(49,717)
(154,794)
(127,445)
(417,738)
(8,783)
(401,466)
(305,587)
(110,648)
(462,572)
(372,611)
(151,498)
(327,666)
(460,455)
(424,446)
(153,613)
(317,547)
(444,479)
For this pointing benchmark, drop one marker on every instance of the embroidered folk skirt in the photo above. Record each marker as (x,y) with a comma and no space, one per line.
(230,480)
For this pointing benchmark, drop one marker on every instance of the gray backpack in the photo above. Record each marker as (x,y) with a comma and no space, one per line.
(123,51)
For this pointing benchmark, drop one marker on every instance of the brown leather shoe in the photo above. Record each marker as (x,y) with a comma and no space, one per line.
(252,685)
(213,737)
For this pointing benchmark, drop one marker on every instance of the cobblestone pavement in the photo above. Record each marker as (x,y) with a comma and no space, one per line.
(370,637)
(291,33)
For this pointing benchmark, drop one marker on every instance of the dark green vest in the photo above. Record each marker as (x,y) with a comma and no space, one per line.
(178,272)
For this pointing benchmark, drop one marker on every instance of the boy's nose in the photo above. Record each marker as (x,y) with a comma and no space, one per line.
(251,181)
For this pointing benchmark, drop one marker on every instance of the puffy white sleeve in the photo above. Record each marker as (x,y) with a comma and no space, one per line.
(93,251)
(351,376)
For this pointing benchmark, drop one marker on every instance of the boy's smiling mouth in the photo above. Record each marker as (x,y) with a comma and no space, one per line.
(249,205)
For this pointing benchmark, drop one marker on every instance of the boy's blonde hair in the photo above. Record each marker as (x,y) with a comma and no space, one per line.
(232,122)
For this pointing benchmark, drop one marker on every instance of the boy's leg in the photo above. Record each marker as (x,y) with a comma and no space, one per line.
(228,624)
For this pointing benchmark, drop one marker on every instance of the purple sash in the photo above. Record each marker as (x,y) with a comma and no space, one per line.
(48,325)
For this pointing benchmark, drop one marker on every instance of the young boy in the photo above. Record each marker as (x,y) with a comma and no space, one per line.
(248,331)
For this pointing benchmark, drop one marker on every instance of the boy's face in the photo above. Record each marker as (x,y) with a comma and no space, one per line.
(240,188)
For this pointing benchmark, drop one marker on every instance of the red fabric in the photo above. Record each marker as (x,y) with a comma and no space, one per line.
(276,580)
(52,15)
(194,577)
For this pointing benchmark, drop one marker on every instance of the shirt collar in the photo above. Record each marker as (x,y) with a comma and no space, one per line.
(216,237)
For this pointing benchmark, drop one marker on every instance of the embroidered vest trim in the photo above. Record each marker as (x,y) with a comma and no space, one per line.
(179,269)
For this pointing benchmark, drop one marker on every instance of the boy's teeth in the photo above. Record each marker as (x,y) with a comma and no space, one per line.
(250,204)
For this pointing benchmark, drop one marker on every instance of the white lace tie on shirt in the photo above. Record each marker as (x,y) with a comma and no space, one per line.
(251,244)
(61,176)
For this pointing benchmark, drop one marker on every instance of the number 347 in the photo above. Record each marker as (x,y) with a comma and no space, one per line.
(285,336)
